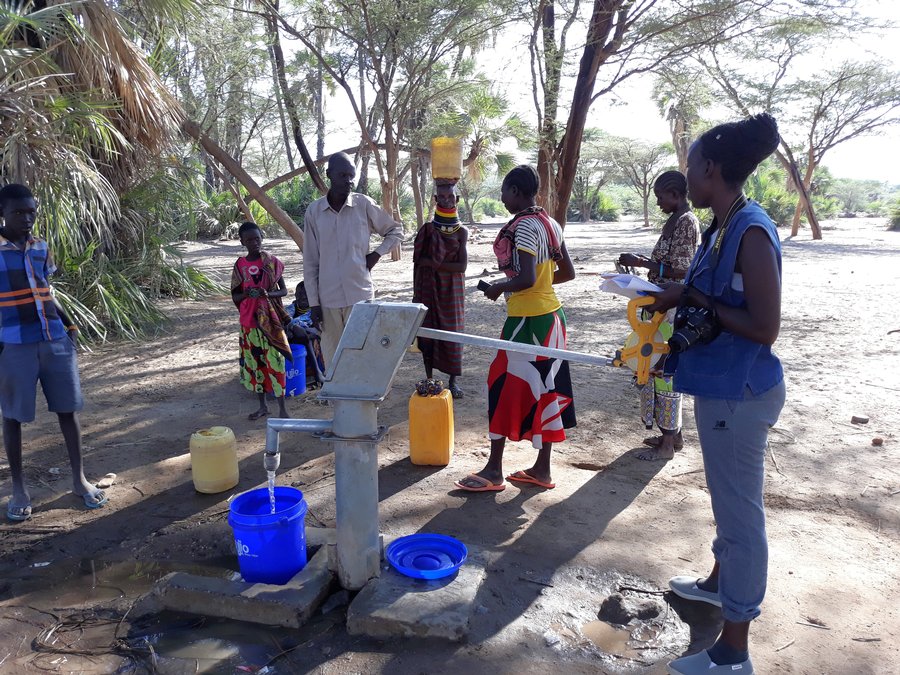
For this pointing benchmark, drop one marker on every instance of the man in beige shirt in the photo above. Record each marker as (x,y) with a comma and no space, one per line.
(336,257)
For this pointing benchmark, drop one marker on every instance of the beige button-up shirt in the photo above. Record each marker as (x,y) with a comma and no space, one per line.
(335,245)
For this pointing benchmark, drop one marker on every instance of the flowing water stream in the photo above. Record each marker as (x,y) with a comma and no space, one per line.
(271,475)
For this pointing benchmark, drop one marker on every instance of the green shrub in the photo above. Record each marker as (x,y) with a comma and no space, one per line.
(604,208)
(295,196)
(894,221)
(491,208)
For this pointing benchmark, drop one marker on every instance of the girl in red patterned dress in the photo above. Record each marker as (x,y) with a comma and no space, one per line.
(257,287)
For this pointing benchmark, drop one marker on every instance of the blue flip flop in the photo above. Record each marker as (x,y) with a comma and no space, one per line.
(18,513)
(89,499)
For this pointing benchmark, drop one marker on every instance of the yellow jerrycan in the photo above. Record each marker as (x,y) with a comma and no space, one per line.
(446,158)
(431,429)
(214,464)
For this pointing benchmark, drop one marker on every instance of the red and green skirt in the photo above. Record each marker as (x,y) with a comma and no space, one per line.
(530,397)
(262,366)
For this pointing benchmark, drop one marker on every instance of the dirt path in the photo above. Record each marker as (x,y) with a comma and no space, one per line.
(833,498)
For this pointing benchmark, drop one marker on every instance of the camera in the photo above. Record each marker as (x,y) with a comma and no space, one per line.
(693,326)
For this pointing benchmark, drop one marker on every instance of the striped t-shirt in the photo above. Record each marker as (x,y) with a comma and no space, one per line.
(531,236)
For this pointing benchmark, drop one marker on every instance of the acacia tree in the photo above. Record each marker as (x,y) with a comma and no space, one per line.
(852,100)
(758,71)
(638,163)
(595,169)
(680,97)
(407,48)
(626,38)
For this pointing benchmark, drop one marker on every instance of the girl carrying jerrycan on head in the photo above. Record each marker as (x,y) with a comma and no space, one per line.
(257,287)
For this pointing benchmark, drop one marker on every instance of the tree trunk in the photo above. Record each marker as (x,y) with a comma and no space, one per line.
(807,182)
(320,103)
(417,193)
(594,54)
(193,130)
(547,135)
(786,157)
(390,199)
(646,197)
(279,99)
(272,25)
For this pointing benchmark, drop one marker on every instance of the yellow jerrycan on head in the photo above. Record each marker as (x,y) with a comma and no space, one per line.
(214,464)
(431,429)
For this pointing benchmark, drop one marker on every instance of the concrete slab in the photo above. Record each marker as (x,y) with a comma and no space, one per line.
(396,606)
(289,605)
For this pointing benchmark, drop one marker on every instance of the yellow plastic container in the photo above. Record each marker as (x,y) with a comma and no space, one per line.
(214,464)
(431,429)
(446,158)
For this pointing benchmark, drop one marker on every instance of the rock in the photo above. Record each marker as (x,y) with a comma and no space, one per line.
(878,441)
(620,610)
(107,481)
(551,638)
(858,419)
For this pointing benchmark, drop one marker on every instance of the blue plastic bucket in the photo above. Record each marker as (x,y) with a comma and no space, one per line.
(271,547)
(295,380)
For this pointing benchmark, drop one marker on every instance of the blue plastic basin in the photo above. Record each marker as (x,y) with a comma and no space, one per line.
(426,556)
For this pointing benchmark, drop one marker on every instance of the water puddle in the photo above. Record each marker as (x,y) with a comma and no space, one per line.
(610,639)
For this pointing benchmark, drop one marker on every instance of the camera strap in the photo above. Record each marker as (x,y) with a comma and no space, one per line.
(716,248)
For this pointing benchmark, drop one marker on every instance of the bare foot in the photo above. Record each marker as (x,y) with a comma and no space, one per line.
(655,441)
(262,412)
(659,454)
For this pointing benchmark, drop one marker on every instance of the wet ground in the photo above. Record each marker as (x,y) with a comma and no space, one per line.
(85,606)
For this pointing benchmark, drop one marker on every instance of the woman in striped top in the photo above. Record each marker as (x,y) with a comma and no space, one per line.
(529,398)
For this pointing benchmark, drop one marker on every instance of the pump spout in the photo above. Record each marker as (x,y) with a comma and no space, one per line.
(272,456)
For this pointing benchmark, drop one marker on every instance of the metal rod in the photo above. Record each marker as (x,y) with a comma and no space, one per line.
(509,346)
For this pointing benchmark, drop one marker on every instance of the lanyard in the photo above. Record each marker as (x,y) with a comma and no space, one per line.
(714,251)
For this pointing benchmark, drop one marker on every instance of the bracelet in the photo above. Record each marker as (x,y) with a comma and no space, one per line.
(660,269)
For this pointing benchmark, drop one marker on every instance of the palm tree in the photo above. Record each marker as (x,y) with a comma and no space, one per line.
(83,118)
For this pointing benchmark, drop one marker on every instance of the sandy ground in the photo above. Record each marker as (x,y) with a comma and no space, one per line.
(833,498)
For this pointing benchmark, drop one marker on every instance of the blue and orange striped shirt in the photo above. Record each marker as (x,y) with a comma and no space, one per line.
(27,311)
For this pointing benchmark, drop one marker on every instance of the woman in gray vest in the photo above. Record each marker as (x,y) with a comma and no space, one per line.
(728,316)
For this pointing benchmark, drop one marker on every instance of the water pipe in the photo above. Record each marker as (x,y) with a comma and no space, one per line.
(274,426)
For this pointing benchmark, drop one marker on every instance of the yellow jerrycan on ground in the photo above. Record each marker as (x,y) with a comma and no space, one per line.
(431,429)
(214,464)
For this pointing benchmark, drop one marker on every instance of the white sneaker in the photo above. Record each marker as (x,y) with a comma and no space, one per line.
(687,588)
(701,664)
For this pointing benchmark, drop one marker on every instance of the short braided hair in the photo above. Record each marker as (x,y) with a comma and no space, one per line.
(671,180)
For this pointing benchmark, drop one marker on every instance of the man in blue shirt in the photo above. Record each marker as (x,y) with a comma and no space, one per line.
(37,344)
